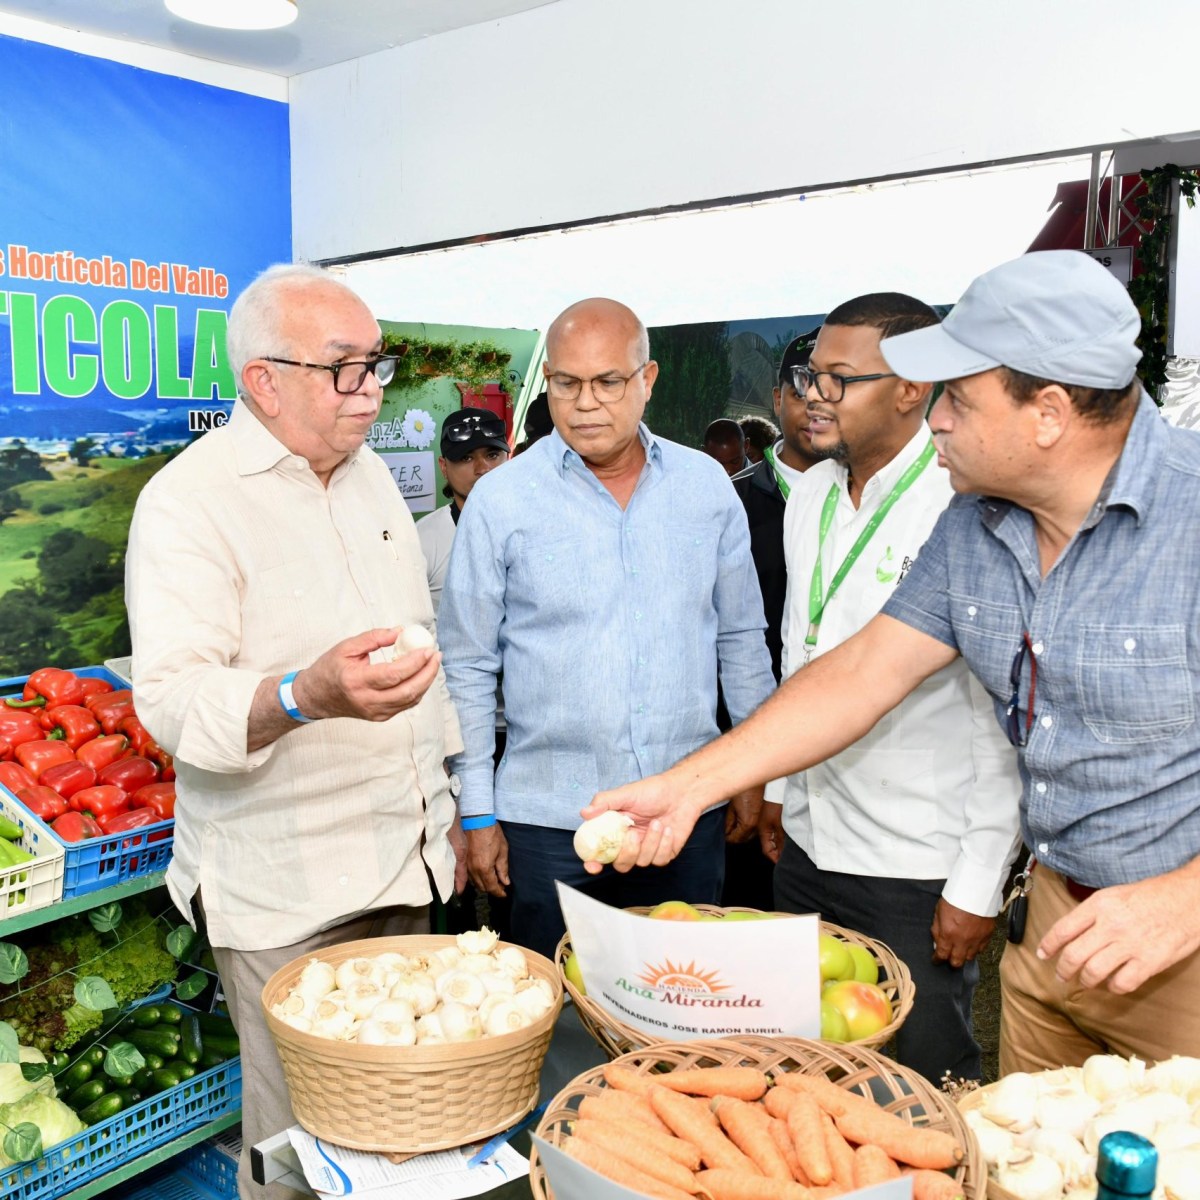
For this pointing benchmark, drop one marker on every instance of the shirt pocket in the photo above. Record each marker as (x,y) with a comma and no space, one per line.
(989,636)
(551,573)
(1134,682)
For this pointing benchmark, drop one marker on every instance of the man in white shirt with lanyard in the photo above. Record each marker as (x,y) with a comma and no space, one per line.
(907,836)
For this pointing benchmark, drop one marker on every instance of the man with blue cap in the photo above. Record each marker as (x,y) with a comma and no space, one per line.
(1065,574)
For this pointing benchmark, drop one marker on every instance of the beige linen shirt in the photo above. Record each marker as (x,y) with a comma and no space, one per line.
(242,566)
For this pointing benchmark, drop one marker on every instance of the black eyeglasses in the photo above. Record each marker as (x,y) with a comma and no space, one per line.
(1017,734)
(383,368)
(608,389)
(469,426)
(834,387)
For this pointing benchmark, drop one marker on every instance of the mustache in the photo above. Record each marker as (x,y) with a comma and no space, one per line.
(824,416)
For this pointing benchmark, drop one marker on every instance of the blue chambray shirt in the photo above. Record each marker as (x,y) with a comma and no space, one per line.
(608,626)
(1111,773)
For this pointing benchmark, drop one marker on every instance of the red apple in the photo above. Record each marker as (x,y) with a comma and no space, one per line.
(675,910)
(866,1008)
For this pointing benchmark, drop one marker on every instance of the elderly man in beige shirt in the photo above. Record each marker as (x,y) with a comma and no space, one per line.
(269,568)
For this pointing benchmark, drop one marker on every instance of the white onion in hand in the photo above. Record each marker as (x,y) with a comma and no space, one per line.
(599,840)
(414,637)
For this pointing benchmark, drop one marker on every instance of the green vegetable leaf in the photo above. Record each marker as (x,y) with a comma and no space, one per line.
(33,1071)
(8,1044)
(180,942)
(93,992)
(105,918)
(190,987)
(123,1059)
(23,1142)
(13,963)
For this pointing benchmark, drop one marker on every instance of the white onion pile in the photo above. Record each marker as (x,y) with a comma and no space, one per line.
(1040,1132)
(469,990)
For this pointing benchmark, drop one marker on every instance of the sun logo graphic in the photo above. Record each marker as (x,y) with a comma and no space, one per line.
(677,977)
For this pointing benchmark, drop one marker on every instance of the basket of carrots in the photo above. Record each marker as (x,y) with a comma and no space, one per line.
(616,1036)
(761,1119)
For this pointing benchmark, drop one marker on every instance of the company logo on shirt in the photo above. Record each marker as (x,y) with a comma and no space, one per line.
(885,570)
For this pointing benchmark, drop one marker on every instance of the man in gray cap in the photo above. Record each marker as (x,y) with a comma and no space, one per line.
(1065,575)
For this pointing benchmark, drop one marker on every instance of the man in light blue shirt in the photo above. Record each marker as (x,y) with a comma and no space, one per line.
(608,574)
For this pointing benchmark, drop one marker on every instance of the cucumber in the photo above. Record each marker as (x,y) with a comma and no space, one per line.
(101,1109)
(94,1055)
(59,1061)
(141,1078)
(226,1044)
(86,1093)
(79,1072)
(212,1058)
(165,1078)
(211,1023)
(129,1096)
(185,1070)
(146,1017)
(156,1041)
(171,1014)
(191,1044)
(154,1061)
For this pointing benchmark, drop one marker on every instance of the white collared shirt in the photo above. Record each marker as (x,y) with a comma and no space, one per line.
(932,791)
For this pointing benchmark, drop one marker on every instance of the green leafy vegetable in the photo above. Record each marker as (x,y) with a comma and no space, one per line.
(93,992)
(23,1142)
(13,963)
(105,918)
(31,1072)
(9,1049)
(51,1120)
(180,942)
(191,986)
(123,1059)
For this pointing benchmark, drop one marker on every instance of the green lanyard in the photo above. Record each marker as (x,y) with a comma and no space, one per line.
(785,488)
(816,604)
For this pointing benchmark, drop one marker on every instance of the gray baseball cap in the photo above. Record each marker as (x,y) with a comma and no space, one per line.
(1054,314)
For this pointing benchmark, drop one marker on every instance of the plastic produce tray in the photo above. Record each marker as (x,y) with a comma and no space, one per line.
(35,884)
(109,1144)
(215,1162)
(100,862)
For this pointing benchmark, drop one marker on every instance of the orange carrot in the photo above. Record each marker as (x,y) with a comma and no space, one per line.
(783,1139)
(841,1153)
(621,1107)
(897,1138)
(933,1185)
(804,1124)
(743,1083)
(734,1185)
(872,1165)
(746,1125)
(778,1100)
(626,1080)
(636,1153)
(666,1143)
(619,1171)
(679,1114)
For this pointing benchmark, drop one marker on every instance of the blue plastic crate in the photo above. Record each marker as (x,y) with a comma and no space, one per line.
(104,861)
(103,1147)
(214,1163)
(168,1182)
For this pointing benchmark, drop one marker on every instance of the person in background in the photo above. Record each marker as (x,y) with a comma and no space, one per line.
(894,837)
(598,571)
(725,441)
(1064,575)
(760,433)
(473,442)
(537,423)
(763,490)
(270,567)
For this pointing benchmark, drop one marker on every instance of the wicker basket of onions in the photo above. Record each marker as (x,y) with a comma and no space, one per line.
(411,1044)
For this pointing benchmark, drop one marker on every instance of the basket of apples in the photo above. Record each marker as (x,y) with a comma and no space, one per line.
(866,991)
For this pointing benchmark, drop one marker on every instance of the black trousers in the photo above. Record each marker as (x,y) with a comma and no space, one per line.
(937,1036)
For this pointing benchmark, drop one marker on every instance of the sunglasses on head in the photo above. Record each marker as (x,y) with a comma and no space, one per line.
(468,427)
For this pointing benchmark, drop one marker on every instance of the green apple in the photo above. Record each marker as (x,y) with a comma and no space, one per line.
(866,968)
(866,1007)
(834,957)
(675,910)
(744,915)
(573,973)
(834,1027)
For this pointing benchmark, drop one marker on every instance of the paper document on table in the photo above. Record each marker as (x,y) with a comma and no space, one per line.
(442,1175)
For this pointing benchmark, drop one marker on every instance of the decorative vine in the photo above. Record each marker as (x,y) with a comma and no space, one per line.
(474,363)
(1150,288)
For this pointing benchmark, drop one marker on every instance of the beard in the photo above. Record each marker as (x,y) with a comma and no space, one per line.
(839,452)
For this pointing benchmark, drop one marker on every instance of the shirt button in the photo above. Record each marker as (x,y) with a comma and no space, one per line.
(343,880)
(1038,647)
(883,783)
(971,610)
(637,616)
(1041,789)
(641,709)
(1047,722)
(641,661)
(817,795)
(1043,847)
(1130,645)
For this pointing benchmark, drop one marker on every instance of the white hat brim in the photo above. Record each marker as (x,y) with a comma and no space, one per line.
(931,355)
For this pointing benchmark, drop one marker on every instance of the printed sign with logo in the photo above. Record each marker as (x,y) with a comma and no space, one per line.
(698,979)
(414,475)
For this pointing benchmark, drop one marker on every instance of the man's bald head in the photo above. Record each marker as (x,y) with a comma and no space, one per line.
(598,312)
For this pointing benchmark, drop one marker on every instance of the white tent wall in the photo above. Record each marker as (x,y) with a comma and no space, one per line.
(587,108)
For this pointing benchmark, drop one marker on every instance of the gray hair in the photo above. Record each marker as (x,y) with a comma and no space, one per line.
(256,319)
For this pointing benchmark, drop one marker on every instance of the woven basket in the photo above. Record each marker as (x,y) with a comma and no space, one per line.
(890,1085)
(409,1099)
(615,1036)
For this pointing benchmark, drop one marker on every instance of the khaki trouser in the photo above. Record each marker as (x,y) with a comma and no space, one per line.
(1046,1023)
(266,1109)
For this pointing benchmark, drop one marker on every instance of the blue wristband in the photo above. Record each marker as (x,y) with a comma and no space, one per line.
(484,822)
(287,701)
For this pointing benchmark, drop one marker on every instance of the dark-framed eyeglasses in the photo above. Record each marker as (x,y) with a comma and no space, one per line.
(472,425)
(607,388)
(830,386)
(1018,731)
(348,377)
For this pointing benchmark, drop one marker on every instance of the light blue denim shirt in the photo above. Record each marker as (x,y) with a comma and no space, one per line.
(1111,772)
(609,626)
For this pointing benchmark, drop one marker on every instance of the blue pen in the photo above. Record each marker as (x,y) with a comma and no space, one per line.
(489,1148)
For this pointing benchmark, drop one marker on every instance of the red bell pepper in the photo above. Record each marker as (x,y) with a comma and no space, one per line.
(129,774)
(76,827)
(161,759)
(100,801)
(35,757)
(51,686)
(89,687)
(68,778)
(19,725)
(15,777)
(159,797)
(43,802)
(110,710)
(101,751)
(122,822)
(71,722)
(135,731)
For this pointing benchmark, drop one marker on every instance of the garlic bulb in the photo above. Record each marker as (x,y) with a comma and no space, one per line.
(995,1142)
(294,1004)
(1176,1135)
(498,982)
(1138,1114)
(512,960)
(532,999)
(1031,1176)
(448,956)
(1077,1165)
(358,970)
(599,840)
(374,1032)
(476,964)
(462,987)
(363,998)
(412,637)
(302,1023)
(419,991)
(394,1010)
(1179,1075)
(477,941)
(316,980)
(504,1017)
(429,1028)
(332,1020)
(1179,1174)
(391,960)
(1011,1103)
(459,1023)
(1107,1076)
(1066,1109)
